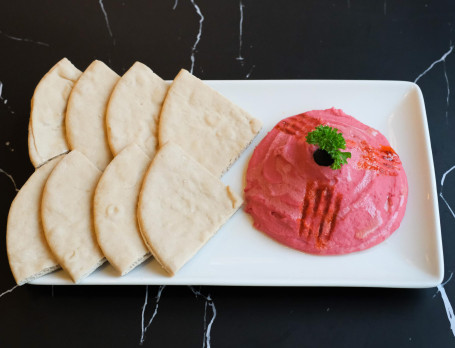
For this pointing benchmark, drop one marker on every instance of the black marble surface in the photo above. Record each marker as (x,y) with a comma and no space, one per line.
(349,39)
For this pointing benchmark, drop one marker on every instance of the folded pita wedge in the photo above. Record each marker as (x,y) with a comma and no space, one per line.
(115,209)
(66,212)
(181,206)
(205,124)
(28,253)
(85,115)
(134,108)
(46,135)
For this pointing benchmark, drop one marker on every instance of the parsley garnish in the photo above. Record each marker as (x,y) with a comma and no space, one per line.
(328,139)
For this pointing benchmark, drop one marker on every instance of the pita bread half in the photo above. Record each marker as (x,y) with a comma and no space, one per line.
(205,124)
(85,115)
(28,253)
(181,206)
(46,136)
(134,108)
(66,212)
(115,209)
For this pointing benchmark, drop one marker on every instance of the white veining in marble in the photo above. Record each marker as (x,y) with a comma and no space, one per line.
(5,101)
(175,4)
(385,8)
(440,60)
(9,146)
(8,291)
(442,186)
(106,18)
(11,178)
(15,38)
(143,314)
(448,91)
(198,37)
(157,301)
(207,327)
(240,58)
(447,305)
(247,76)
(443,61)
(444,283)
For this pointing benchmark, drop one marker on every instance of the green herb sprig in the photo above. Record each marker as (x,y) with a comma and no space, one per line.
(328,139)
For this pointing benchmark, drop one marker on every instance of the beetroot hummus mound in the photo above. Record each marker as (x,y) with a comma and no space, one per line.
(314,208)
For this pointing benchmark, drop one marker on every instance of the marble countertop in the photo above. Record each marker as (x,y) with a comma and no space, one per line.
(229,40)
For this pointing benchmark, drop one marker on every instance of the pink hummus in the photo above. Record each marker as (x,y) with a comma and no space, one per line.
(318,210)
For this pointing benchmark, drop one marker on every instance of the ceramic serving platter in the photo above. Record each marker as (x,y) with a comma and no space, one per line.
(241,255)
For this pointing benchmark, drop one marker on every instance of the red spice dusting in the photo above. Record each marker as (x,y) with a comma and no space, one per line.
(350,143)
(292,126)
(296,125)
(383,160)
(320,208)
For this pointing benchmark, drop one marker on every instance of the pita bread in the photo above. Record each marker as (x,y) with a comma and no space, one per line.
(115,212)
(28,253)
(32,151)
(134,108)
(66,212)
(85,115)
(181,206)
(205,124)
(46,136)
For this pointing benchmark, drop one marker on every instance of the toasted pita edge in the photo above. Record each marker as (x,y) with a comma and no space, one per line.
(102,260)
(256,124)
(236,200)
(96,198)
(42,271)
(34,154)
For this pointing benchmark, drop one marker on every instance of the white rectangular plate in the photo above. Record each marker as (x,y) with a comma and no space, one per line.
(241,255)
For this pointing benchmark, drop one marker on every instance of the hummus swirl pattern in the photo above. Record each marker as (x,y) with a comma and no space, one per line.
(318,210)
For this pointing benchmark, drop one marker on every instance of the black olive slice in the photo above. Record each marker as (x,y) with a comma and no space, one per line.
(322,158)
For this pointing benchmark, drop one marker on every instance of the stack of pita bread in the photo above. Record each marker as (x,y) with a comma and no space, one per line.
(126,168)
